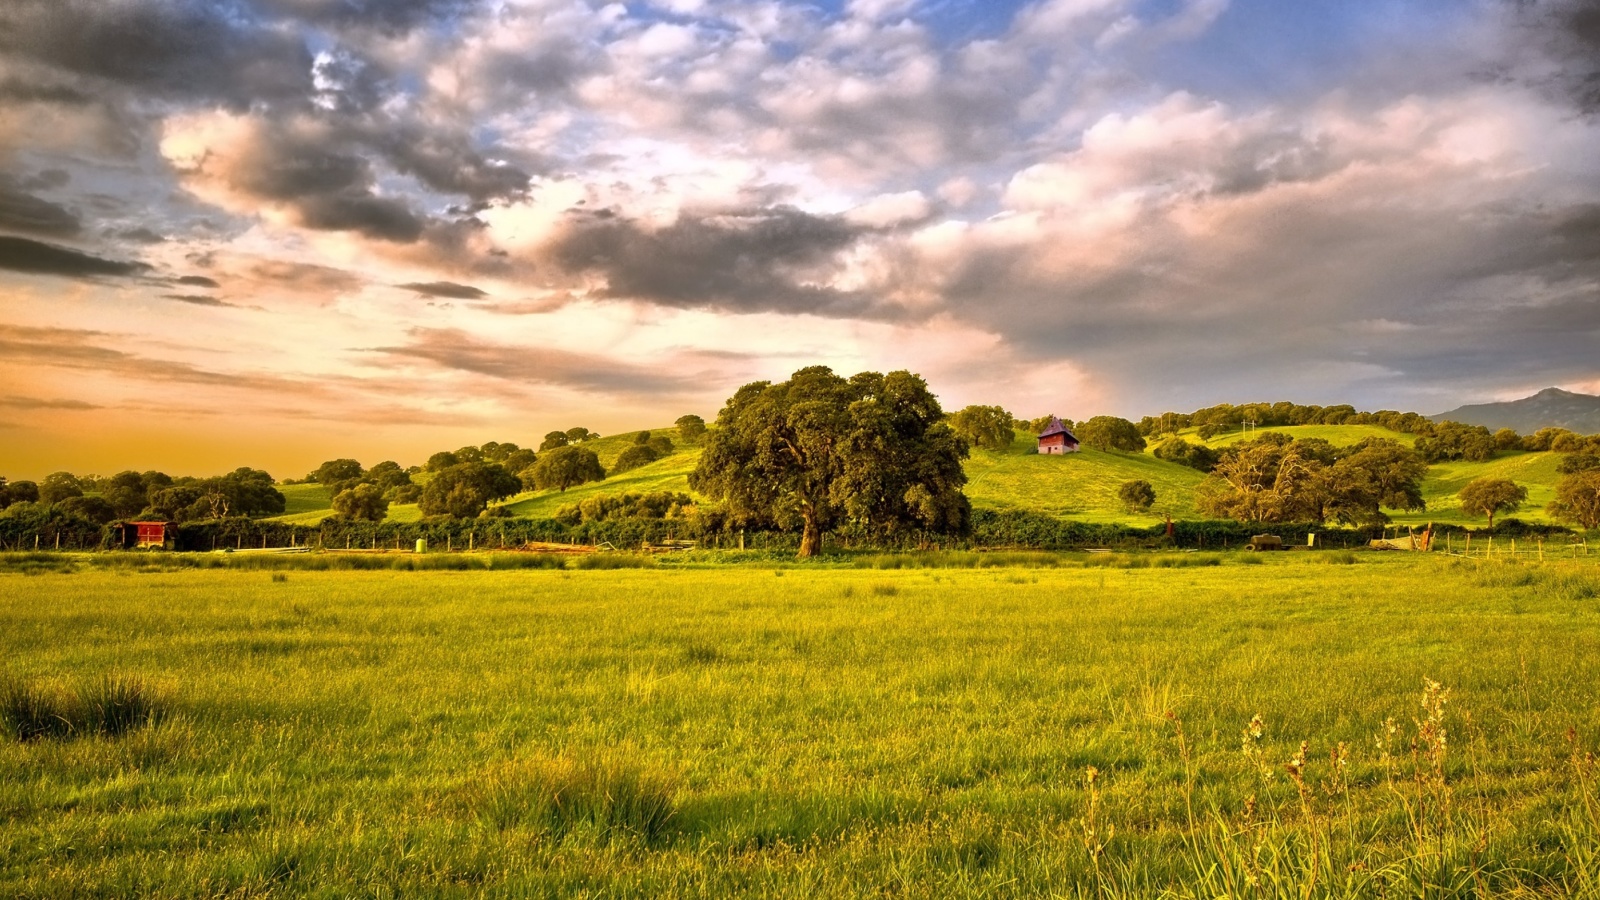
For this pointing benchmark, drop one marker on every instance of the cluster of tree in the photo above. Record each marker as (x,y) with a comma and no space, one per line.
(365,494)
(145,495)
(1276,479)
(574,435)
(819,451)
(507,455)
(646,449)
(1196,456)
(986,427)
(611,507)
(1110,433)
(1214,420)
(1453,440)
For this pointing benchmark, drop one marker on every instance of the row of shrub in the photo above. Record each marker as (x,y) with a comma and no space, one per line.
(991,529)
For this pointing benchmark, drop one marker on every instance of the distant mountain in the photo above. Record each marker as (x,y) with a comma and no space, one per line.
(1550,408)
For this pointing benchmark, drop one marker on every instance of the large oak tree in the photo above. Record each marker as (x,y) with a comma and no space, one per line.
(819,451)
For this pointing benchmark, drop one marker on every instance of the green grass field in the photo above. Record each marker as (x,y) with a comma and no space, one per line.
(815,732)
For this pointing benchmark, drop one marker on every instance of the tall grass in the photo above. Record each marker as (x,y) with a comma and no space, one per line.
(834,732)
(593,801)
(110,705)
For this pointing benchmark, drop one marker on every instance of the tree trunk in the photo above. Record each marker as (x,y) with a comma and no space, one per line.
(810,537)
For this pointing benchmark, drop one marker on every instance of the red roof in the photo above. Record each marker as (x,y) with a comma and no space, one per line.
(1054,428)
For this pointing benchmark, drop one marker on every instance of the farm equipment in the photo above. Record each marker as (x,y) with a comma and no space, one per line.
(1265,542)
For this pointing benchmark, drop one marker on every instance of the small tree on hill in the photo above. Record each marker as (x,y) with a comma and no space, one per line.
(566,467)
(579,434)
(988,427)
(1488,496)
(634,457)
(362,503)
(553,440)
(1137,496)
(690,428)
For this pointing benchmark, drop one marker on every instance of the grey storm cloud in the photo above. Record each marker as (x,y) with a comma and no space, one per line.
(198,281)
(180,48)
(199,300)
(390,16)
(22,211)
(447,289)
(34,257)
(746,260)
(453,349)
(1566,33)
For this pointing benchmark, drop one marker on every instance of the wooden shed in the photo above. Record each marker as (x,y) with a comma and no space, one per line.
(149,535)
(1056,439)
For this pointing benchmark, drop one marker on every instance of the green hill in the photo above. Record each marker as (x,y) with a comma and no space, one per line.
(1534,471)
(1081,486)
(668,474)
(1337,435)
(305,504)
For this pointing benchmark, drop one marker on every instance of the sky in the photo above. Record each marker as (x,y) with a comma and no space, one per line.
(273,232)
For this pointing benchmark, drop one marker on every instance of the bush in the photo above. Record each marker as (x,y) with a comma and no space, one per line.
(1137,496)
(634,457)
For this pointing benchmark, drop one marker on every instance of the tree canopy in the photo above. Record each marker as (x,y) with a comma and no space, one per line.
(988,427)
(1488,495)
(1578,498)
(364,502)
(1277,479)
(690,428)
(465,490)
(566,467)
(1110,433)
(819,451)
(1136,496)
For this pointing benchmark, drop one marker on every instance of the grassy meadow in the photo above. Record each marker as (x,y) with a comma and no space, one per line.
(1075,725)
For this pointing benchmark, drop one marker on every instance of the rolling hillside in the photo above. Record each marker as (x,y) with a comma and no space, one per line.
(1081,486)
(1337,435)
(1534,471)
(1078,485)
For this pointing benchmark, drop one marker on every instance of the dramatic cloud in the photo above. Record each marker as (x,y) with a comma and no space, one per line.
(1081,205)
(773,259)
(452,349)
(448,289)
(24,255)
(21,211)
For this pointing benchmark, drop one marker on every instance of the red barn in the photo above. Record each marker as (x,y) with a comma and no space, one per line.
(1056,439)
(146,535)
